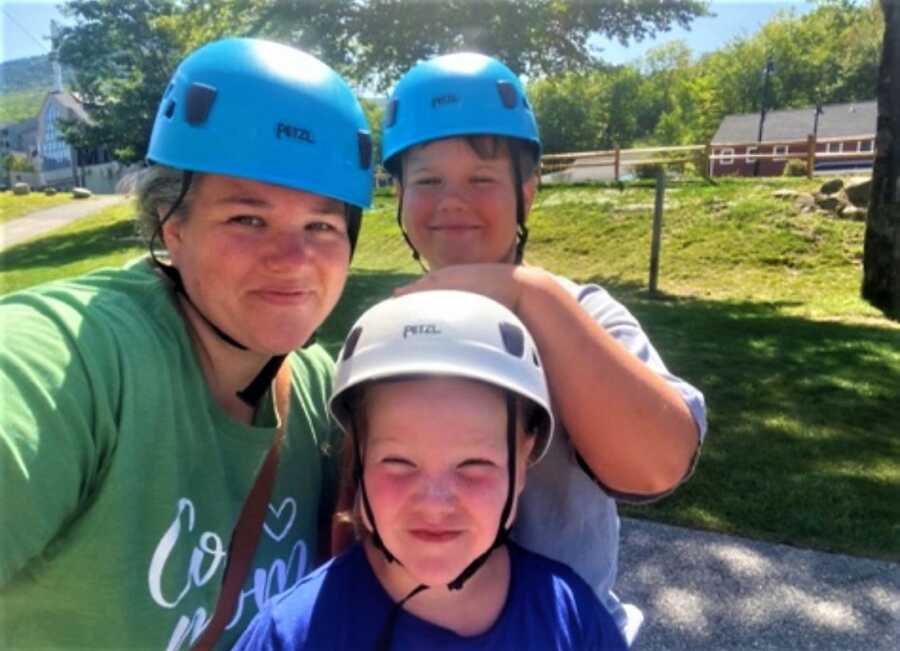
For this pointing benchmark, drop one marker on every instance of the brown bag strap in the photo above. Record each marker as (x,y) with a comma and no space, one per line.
(249,525)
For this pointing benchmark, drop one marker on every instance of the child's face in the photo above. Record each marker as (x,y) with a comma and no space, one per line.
(436,472)
(459,208)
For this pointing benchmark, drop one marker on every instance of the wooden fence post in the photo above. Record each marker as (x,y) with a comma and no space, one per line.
(616,165)
(656,239)
(810,155)
(707,153)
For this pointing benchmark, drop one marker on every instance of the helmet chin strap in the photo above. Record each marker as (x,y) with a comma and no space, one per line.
(521,228)
(253,392)
(415,253)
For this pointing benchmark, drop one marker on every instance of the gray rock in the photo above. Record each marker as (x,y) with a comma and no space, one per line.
(849,211)
(81,193)
(785,194)
(21,188)
(831,186)
(49,191)
(827,202)
(805,200)
(859,192)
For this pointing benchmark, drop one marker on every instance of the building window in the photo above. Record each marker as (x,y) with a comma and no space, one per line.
(727,155)
(865,145)
(748,154)
(835,147)
(780,152)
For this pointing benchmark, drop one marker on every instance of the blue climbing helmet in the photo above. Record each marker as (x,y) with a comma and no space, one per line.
(462,94)
(456,95)
(266,112)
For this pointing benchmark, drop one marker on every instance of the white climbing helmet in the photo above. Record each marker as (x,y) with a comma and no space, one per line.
(447,333)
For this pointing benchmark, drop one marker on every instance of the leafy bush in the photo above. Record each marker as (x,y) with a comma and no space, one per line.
(794,167)
(647,170)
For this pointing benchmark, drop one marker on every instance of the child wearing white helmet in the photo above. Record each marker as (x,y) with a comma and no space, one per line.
(461,140)
(443,397)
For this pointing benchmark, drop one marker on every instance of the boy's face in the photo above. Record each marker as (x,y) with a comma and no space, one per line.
(459,208)
(436,473)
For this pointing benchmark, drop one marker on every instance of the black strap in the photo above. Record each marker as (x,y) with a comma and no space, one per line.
(360,481)
(248,529)
(386,636)
(253,392)
(502,530)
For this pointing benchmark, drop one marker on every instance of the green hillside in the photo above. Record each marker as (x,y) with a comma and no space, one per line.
(20,105)
(23,85)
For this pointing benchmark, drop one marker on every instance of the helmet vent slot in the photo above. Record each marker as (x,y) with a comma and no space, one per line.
(198,102)
(350,343)
(170,109)
(391,114)
(365,149)
(508,94)
(513,339)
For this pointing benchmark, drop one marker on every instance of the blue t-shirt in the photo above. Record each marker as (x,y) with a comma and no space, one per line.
(343,606)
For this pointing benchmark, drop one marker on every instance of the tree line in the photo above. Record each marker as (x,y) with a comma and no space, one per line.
(671,97)
(123,52)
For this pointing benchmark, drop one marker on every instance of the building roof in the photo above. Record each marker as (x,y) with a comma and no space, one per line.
(835,121)
(16,128)
(70,102)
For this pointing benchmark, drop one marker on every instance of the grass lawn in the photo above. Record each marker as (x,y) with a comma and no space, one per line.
(759,308)
(106,239)
(12,206)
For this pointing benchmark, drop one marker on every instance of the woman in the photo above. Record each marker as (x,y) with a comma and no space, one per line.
(140,403)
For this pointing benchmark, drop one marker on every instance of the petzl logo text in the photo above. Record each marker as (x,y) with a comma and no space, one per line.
(443,100)
(294,133)
(420,329)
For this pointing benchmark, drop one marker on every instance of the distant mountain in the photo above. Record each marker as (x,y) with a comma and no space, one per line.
(23,85)
(29,74)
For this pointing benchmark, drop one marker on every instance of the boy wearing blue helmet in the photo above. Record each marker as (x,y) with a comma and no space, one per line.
(154,487)
(461,140)
(444,399)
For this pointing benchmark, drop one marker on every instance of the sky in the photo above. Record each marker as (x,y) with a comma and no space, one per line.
(26,27)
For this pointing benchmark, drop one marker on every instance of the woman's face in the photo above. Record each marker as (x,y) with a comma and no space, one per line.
(436,472)
(459,208)
(265,263)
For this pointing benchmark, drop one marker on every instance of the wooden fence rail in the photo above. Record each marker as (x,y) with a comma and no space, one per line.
(702,155)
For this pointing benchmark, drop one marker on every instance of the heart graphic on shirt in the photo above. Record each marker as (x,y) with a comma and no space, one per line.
(283,522)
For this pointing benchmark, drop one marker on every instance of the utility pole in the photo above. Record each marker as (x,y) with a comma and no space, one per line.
(768,70)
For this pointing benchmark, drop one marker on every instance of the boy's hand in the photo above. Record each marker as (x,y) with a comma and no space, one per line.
(504,283)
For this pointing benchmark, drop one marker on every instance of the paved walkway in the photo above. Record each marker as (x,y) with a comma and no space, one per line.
(39,222)
(701,590)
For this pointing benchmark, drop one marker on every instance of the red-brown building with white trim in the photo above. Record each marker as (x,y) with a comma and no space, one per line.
(838,128)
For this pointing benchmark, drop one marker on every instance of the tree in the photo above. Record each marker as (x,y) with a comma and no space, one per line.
(533,37)
(572,111)
(881,256)
(122,61)
(124,51)
(809,68)
(14,162)
(374,115)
